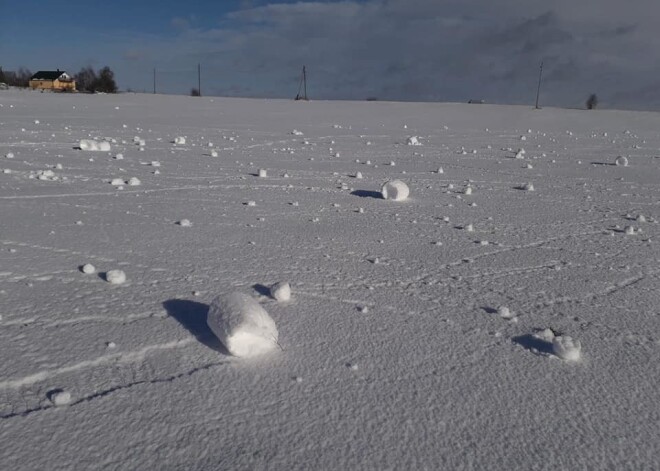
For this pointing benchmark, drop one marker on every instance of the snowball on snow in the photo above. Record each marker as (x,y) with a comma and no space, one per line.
(395,190)
(621,161)
(413,141)
(566,348)
(505,312)
(179,140)
(263,173)
(88,268)
(115,277)
(60,398)
(117,182)
(295,132)
(92,145)
(281,291)
(134,181)
(185,223)
(242,325)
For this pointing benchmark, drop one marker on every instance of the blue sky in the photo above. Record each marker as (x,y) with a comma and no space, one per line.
(422,50)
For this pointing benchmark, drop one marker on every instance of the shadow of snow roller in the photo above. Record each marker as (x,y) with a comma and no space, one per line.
(242,325)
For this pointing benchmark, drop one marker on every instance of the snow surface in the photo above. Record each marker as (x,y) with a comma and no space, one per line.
(444,382)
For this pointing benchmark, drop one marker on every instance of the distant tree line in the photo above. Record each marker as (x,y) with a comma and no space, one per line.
(87,80)
(21,78)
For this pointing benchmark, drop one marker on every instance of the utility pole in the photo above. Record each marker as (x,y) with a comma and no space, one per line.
(154,80)
(303,85)
(538,90)
(199,79)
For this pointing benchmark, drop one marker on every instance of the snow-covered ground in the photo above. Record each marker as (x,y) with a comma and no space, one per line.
(477,324)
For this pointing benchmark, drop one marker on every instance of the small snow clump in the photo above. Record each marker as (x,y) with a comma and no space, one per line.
(242,325)
(185,223)
(263,173)
(621,161)
(566,348)
(60,397)
(281,291)
(413,141)
(134,181)
(505,313)
(92,145)
(88,269)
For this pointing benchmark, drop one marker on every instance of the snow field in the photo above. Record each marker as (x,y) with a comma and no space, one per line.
(242,325)
(405,291)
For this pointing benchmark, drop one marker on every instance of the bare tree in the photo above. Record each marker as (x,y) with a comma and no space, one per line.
(86,80)
(592,101)
(20,78)
(106,81)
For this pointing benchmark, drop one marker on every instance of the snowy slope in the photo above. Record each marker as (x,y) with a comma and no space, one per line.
(395,350)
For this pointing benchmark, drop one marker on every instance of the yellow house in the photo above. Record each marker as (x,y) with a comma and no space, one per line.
(52,80)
